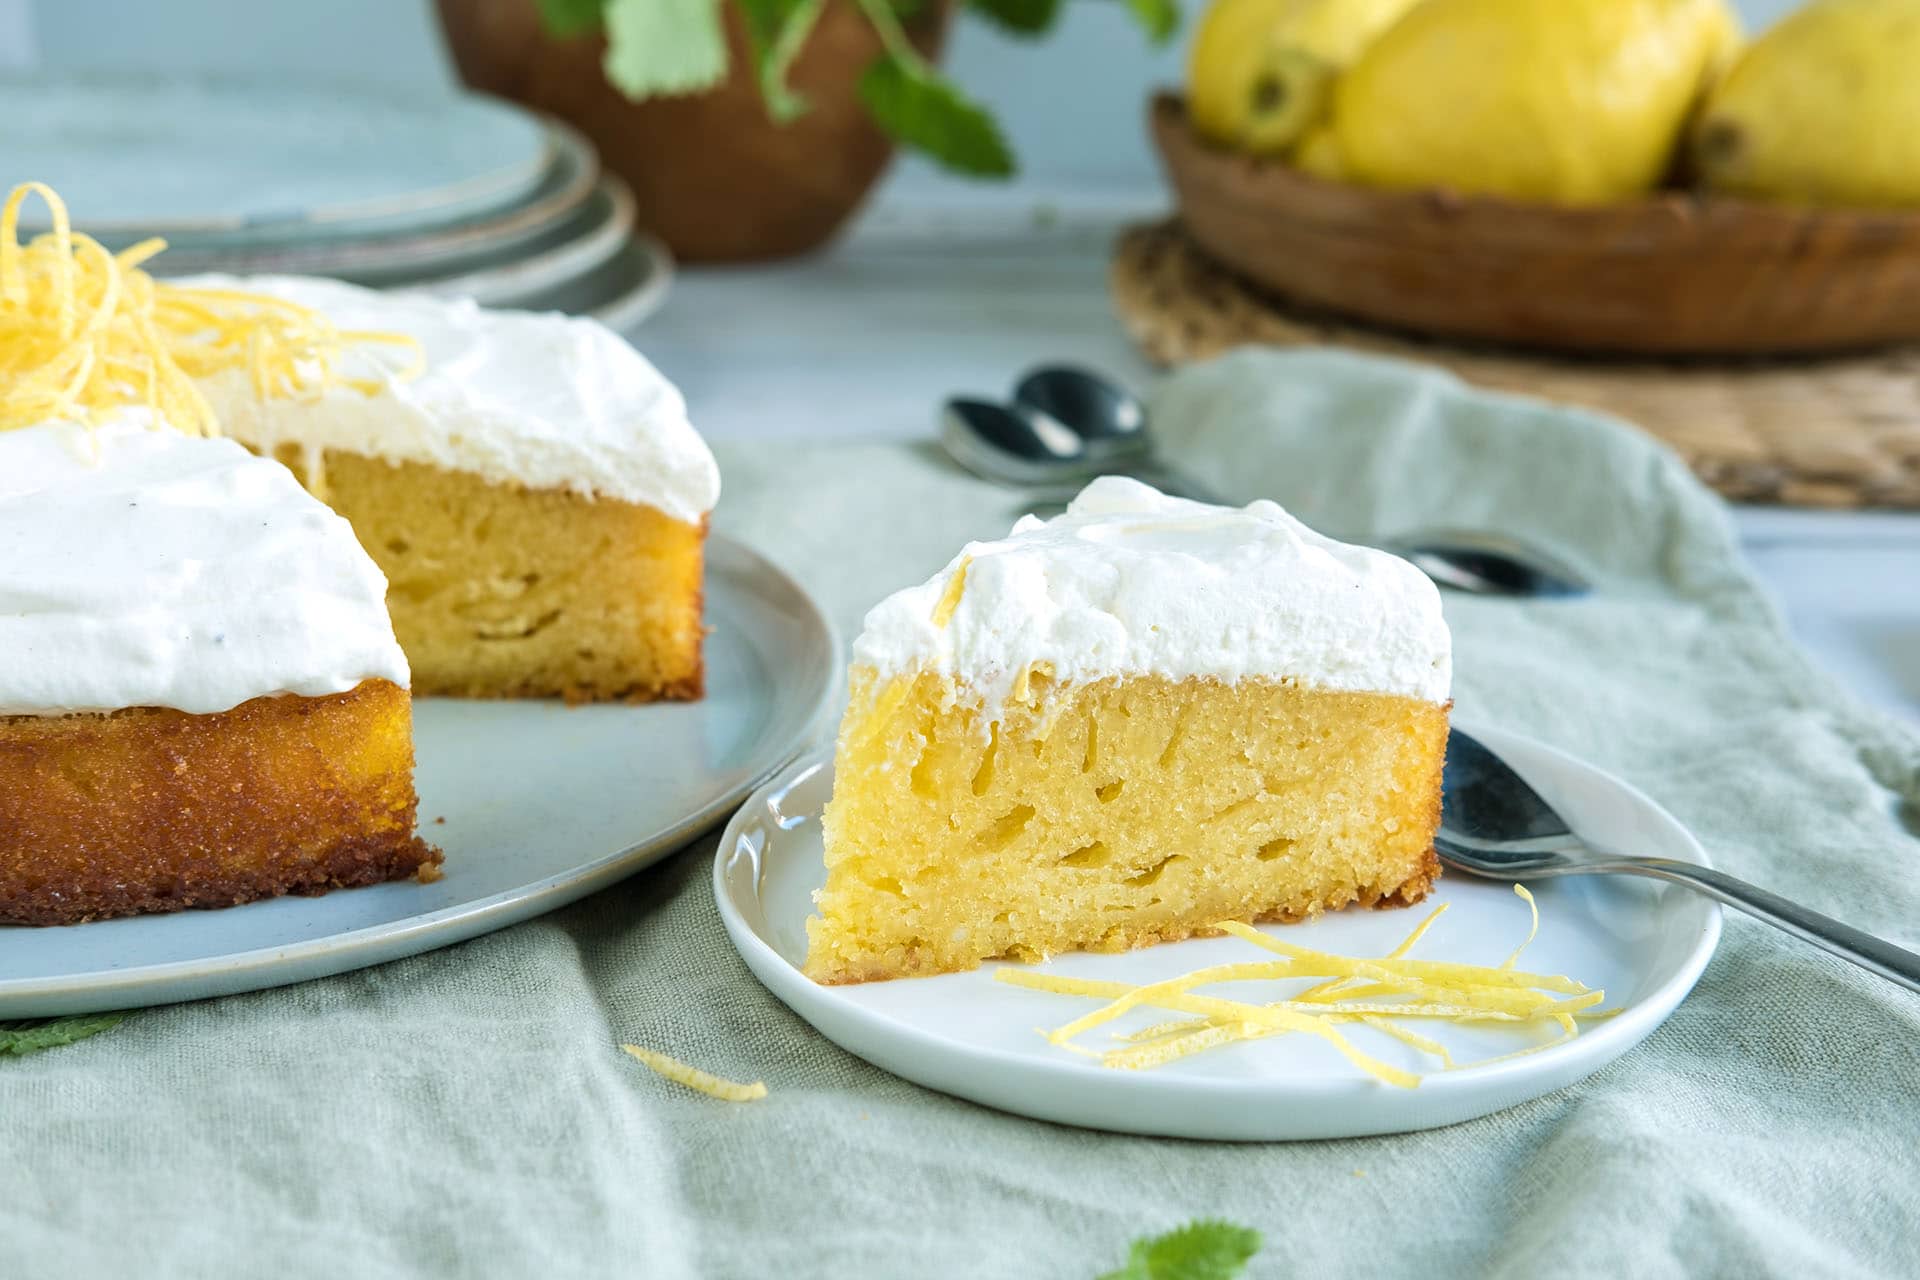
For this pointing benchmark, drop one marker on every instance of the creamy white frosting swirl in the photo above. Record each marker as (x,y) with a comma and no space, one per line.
(1132,582)
(548,401)
(144,568)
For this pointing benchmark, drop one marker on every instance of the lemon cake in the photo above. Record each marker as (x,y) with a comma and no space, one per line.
(529,484)
(1126,725)
(201,698)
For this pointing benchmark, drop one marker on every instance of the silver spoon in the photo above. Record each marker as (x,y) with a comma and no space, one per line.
(1494,824)
(1067,426)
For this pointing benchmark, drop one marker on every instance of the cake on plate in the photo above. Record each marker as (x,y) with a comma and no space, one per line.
(1124,726)
(201,699)
(529,483)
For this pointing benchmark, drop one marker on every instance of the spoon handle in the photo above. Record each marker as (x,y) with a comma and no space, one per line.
(1845,941)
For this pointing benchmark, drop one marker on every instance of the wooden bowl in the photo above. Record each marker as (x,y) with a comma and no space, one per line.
(1673,274)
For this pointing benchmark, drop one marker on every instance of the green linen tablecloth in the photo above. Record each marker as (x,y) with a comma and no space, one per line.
(467,1112)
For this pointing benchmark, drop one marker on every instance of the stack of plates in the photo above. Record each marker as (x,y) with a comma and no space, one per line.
(455,195)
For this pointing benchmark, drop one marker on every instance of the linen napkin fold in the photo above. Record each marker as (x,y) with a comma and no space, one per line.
(467,1113)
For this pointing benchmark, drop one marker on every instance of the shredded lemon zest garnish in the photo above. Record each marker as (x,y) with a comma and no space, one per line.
(694,1078)
(1319,963)
(950,598)
(1377,993)
(84,331)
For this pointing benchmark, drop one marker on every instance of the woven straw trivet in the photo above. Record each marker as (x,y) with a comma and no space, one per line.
(1821,433)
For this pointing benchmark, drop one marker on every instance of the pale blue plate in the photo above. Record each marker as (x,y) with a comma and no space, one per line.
(619,293)
(567,185)
(585,241)
(229,161)
(543,804)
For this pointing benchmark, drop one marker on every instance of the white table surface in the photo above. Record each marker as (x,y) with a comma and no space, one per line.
(926,299)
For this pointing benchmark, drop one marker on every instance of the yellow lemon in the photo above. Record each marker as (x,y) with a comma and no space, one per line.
(1822,109)
(1260,71)
(1574,101)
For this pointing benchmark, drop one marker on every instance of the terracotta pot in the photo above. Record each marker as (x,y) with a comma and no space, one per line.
(711,174)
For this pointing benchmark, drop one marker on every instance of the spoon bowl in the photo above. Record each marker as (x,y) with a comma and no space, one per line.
(1010,445)
(1066,426)
(1487,564)
(1109,420)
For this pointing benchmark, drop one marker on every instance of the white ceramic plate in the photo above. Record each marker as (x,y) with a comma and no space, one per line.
(967,1035)
(543,804)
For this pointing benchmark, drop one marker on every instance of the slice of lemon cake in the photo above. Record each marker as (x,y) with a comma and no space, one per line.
(529,483)
(201,698)
(1126,725)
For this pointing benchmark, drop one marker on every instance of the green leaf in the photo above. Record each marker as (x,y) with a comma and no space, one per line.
(765,18)
(1205,1249)
(776,32)
(659,47)
(1158,18)
(923,109)
(20,1038)
(1026,17)
(564,19)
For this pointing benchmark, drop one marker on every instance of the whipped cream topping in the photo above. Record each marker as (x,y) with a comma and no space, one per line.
(144,568)
(1132,582)
(547,401)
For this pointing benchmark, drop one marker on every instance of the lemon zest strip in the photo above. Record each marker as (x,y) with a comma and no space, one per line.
(694,1078)
(1533,931)
(949,601)
(1320,962)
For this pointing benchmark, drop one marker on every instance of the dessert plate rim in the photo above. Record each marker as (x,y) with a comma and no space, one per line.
(522,149)
(1050,1084)
(794,675)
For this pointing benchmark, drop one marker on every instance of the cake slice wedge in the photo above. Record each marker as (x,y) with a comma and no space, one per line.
(1125,725)
(201,699)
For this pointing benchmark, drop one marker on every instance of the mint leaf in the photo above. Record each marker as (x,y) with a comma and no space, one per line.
(776,31)
(563,19)
(923,109)
(20,1038)
(1026,17)
(659,47)
(1205,1249)
(1158,18)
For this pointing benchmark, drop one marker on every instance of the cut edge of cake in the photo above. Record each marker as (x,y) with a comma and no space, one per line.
(499,591)
(1111,815)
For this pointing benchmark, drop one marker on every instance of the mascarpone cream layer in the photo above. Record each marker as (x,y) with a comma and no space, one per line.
(144,568)
(1131,582)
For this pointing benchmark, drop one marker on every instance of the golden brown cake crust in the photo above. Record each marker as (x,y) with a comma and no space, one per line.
(151,809)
